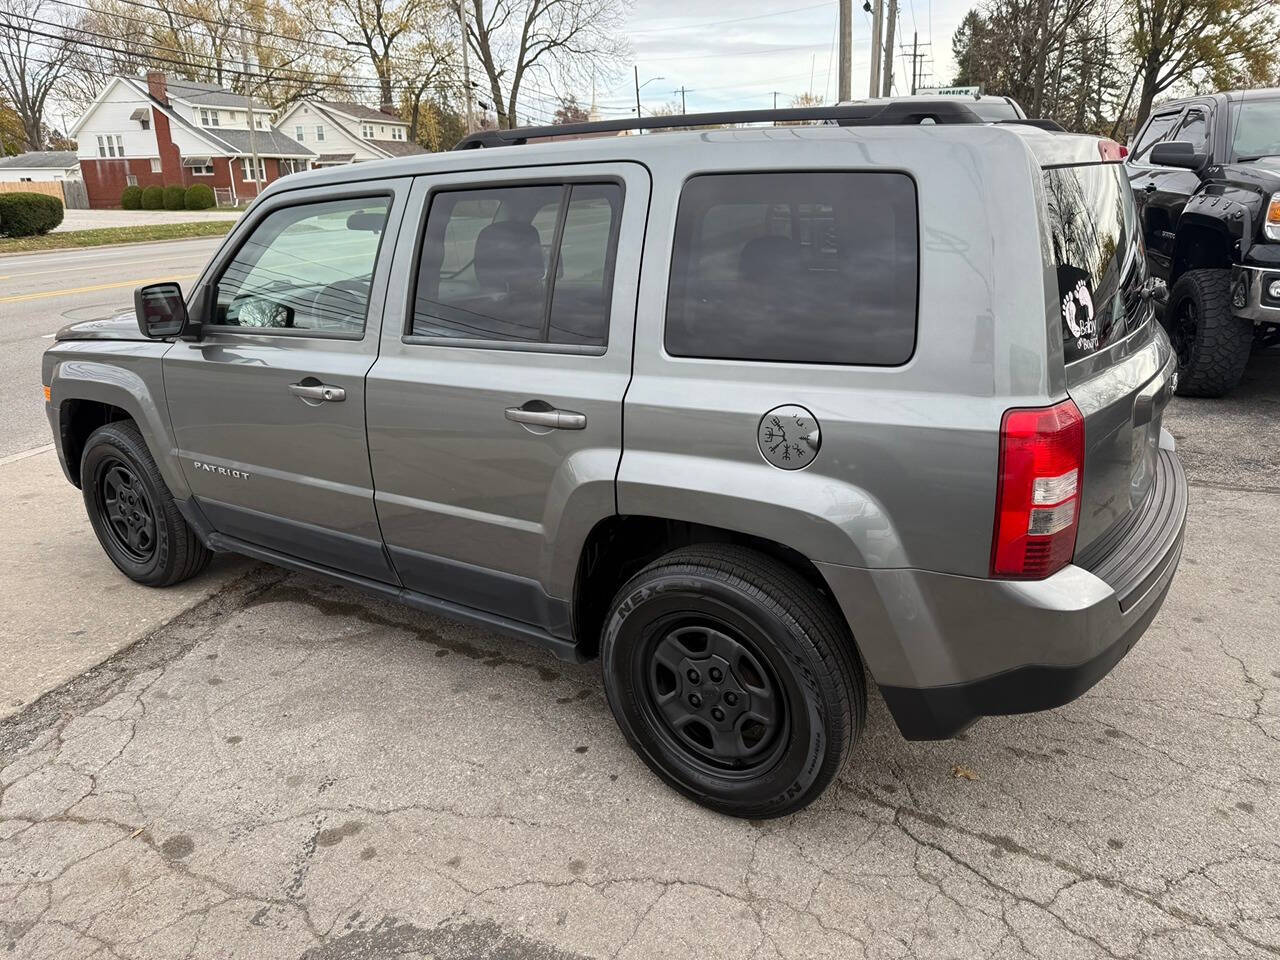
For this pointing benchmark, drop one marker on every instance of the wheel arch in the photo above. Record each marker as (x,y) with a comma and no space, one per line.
(618,546)
(88,394)
(1204,242)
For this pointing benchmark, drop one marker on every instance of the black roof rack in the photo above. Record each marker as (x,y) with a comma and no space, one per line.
(894,113)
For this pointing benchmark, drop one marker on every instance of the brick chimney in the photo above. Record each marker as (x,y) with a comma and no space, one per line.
(389,109)
(157,87)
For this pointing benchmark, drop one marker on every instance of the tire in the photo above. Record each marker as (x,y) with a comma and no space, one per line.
(1213,344)
(745,632)
(132,511)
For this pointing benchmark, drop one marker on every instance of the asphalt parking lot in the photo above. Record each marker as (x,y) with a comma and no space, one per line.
(281,768)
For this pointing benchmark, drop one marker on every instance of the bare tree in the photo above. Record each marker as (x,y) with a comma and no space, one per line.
(383,31)
(514,39)
(35,54)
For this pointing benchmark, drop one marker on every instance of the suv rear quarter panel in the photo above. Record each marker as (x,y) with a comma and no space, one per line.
(906,473)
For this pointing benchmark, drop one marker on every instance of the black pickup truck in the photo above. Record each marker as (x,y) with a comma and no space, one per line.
(1205,173)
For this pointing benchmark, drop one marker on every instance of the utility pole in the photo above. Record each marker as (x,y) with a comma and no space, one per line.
(682,92)
(877,31)
(845,86)
(886,89)
(253,139)
(636,68)
(466,66)
(916,56)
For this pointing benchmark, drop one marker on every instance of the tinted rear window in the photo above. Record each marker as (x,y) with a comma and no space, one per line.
(795,267)
(1096,255)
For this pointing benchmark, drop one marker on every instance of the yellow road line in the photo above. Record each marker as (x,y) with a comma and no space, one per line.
(45,294)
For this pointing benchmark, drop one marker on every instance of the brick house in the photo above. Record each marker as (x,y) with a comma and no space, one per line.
(341,132)
(161,132)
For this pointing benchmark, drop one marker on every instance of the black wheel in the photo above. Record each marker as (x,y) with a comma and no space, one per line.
(733,679)
(132,511)
(1212,344)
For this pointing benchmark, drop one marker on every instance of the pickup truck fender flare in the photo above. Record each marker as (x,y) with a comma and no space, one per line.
(1226,215)
(119,385)
(818,516)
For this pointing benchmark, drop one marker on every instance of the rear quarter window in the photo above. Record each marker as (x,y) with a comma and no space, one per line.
(803,267)
(1096,255)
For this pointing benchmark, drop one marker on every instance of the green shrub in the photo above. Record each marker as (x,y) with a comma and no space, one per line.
(199,197)
(131,199)
(174,197)
(153,198)
(28,214)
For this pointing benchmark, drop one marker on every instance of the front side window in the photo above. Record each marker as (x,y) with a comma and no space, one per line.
(1194,129)
(529,264)
(1157,130)
(802,267)
(1099,264)
(307,267)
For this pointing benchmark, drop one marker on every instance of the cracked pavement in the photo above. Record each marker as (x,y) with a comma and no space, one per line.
(290,769)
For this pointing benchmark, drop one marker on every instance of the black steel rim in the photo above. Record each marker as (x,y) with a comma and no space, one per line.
(1185,325)
(710,694)
(126,507)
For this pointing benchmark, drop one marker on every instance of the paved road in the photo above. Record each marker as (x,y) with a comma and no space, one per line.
(289,769)
(41,292)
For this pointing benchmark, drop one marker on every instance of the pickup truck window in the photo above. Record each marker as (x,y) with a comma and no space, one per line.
(1256,129)
(528,264)
(305,268)
(1194,128)
(1158,129)
(804,267)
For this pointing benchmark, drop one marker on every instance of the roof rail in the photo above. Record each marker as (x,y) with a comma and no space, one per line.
(894,113)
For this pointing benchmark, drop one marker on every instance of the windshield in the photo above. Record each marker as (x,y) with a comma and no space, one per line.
(1255,129)
(993,109)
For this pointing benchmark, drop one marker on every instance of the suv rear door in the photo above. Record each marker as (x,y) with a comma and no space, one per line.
(495,407)
(272,458)
(1118,362)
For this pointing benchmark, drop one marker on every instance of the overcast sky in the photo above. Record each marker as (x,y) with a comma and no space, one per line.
(734,55)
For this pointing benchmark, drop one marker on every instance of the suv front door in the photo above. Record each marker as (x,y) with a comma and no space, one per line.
(495,407)
(1160,192)
(268,406)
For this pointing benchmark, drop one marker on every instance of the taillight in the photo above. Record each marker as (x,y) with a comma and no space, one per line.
(1038,497)
(1111,151)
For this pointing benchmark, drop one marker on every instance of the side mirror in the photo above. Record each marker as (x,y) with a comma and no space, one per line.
(1177,153)
(161,311)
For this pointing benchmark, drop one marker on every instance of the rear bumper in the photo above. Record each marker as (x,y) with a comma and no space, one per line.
(946,650)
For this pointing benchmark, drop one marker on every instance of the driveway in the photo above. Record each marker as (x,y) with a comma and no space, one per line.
(95,219)
(292,769)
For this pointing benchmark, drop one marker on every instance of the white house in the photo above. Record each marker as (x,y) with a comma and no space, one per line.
(347,132)
(162,132)
(46,165)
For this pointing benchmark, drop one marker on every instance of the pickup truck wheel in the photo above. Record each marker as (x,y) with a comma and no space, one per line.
(733,679)
(1212,344)
(132,511)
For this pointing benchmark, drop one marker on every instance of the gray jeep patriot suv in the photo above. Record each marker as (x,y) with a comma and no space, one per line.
(748,413)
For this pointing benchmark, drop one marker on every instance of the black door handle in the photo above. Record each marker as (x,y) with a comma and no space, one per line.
(1150,187)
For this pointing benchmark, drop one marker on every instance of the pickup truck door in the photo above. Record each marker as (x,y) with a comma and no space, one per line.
(495,407)
(268,406)
(1161,192)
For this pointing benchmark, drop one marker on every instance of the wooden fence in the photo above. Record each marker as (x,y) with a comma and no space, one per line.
(71,192)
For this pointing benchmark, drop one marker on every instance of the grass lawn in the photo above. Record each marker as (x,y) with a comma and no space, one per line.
(109,235)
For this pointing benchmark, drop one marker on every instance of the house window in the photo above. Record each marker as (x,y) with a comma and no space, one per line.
(208,118)
(102,147)
(366,131)
(298,133)
(199,166)
(145,123)
(397,133)
(130,180)
(28,179)
(247,162)
(382,129)
(155,164)
(233,116)
(119,146)
(257,122)
(319,131)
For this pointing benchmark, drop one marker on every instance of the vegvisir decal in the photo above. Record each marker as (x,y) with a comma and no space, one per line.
(789,437)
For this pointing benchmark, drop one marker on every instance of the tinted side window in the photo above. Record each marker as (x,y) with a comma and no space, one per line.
(1099,264)
(519,264)
(795,267)
(306,267)
(1194,128)
(1158,129)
